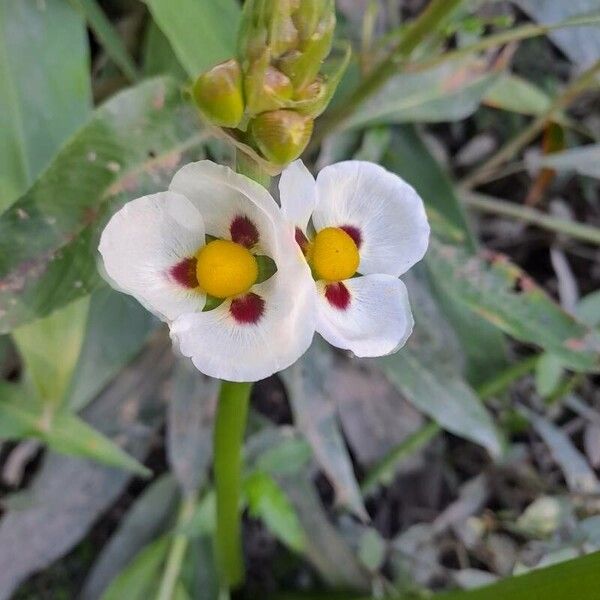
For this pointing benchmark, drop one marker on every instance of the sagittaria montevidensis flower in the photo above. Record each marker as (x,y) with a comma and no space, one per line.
(360,227)
(215,259)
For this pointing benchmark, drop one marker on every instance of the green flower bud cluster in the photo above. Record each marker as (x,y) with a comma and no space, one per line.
(274,90)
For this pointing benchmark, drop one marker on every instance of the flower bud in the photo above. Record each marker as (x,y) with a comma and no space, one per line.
(309,13)
(304,63)
(312,99)
(218,94)
(281,135)
(266,87)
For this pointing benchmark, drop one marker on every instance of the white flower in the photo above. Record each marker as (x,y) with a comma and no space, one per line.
(196,256)
(360,228)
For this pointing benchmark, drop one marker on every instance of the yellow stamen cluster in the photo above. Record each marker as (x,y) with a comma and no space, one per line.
(225,269)
(333,255)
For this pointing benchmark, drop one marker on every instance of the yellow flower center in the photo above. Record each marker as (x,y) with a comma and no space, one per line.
(333,255)
(225,269)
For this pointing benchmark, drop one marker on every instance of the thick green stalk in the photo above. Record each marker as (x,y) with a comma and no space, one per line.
(230,425)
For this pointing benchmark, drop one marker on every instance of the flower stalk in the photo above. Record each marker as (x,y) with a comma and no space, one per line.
(230,425)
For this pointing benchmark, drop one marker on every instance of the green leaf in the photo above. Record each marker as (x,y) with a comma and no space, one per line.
(503,294)
(579,578)
(139,579)
(584,160)
(46,94)
(117,327)
(447,400)
(158,56)
(65,433)
(548,374)
(108,37)
(267,501)
(315,417)
(588,309)
(48,238)
(202,34)
(148,517)
(50,348)
(448,92)
(511,92)
(410,158)
(580,44)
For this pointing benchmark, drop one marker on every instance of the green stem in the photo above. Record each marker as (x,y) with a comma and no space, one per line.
(230,424)
(245,165)
(425,24)
(481,202)
(502,381)
(176,552)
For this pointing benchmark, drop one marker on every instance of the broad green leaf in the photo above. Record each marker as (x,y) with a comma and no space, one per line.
(48,238)
(65,433)
(327,549)
(548,374)
(50,348)
(580,44)
(202,34)
(76,493)
(410,158)
(511,92)
(107,36)
(584,160)
(580,477)
(314,415)
(190,417)
(117,327)
(588,309)
(500,292)
(447,400)
(139,579)
(158,57)
(268,502)
(46,94)
(448,92)
(148,517)
(570,580)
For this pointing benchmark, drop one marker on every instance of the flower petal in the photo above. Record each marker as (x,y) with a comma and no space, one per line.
(370,317)
(231,343)
(142,245)
(298,194)
(225,199)
(382,207)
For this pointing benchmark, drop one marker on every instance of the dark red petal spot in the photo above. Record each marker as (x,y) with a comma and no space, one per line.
(301,240)
(338,295)
(243,231)
(354,233)
(184,273)
(247,310)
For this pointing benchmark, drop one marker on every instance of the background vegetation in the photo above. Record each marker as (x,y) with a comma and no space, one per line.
(470,456)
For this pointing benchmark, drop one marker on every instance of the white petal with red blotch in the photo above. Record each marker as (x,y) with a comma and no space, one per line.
(298,194)
(388,213)
(377,320)
(220,346)
(223,197)
(142,243)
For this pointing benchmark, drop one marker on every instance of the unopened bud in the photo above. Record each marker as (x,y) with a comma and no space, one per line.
(303,64)
(312,99)
(218,94)
(266,88)
(281,135)
(309,13)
